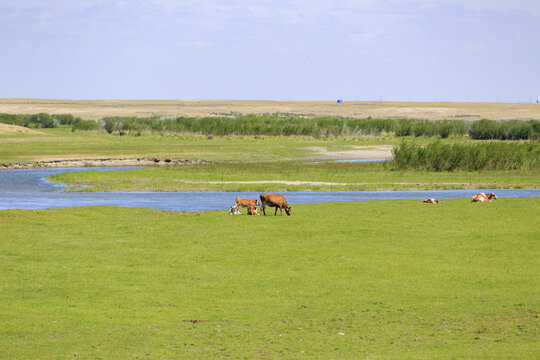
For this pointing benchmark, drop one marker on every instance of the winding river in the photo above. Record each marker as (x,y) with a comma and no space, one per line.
(28,189)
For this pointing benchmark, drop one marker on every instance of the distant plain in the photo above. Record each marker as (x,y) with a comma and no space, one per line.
(95,109)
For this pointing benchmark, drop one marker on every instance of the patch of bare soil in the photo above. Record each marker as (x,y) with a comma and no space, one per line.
(356,152)
(11,129)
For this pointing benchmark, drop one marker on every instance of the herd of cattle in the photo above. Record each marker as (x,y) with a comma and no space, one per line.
(279,202)
(272,200)
(480,197)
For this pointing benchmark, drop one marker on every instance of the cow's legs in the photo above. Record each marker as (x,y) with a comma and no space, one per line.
(275,212)
(262,207)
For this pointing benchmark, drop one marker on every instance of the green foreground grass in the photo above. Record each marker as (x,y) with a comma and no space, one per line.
(350,176)
(378,280)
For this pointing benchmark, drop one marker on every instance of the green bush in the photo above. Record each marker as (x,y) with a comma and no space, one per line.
(84,125)
(504,130)
(471,157)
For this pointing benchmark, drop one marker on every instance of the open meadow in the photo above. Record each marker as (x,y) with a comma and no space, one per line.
(377,280)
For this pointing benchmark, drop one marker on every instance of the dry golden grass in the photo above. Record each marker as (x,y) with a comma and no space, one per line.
(13,129)
(96,109)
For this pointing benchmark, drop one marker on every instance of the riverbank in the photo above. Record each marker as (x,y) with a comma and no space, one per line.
(293,176)
(102,162)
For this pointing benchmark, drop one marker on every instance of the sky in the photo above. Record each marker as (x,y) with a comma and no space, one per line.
(363,50)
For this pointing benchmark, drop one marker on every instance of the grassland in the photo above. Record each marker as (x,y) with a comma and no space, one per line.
(244,159)
(378,280)
(96,109)
(294,176)
(61,143)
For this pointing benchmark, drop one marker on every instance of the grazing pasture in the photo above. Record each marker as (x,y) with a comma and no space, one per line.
(341,281)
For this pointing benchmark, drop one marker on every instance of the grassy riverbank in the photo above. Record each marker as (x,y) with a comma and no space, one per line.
(61,143)
(379,279)
(294,176)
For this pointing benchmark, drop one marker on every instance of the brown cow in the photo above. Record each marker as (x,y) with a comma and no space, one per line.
(246,203)
(431,201)
(277,201)
(482,197)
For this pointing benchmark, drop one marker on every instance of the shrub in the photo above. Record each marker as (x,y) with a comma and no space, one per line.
(84,125)
(472,157)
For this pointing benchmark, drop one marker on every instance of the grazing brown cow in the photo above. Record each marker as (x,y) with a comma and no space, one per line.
(277,201)
(482,197)
(246,203)
(431,201)
(252,210)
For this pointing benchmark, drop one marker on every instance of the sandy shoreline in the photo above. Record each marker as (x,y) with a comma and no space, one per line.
(356,152)
(99,162)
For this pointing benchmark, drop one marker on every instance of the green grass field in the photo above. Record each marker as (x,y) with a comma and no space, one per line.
(377,280)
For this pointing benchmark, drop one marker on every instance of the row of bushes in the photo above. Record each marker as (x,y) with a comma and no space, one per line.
(278,124)
(251,125)
(325,126)
(479,156)
(505,130)
(44,120)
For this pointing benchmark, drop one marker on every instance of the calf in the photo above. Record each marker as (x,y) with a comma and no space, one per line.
(277,201)
(246,203)
(252,210)
(431,201)
(234,210)
(482,197)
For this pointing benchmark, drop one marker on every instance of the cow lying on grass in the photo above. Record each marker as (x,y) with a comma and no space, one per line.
(277,201)
(482,197)
(234,210)
(431,201)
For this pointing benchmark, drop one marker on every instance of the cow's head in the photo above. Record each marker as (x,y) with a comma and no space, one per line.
(288,210)
(492,196)
(257,203)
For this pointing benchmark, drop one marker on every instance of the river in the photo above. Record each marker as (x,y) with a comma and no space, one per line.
(28,189)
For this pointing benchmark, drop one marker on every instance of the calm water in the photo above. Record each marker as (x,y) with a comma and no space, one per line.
(28,189)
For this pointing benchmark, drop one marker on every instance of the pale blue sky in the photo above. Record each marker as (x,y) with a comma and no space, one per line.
(446,50)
